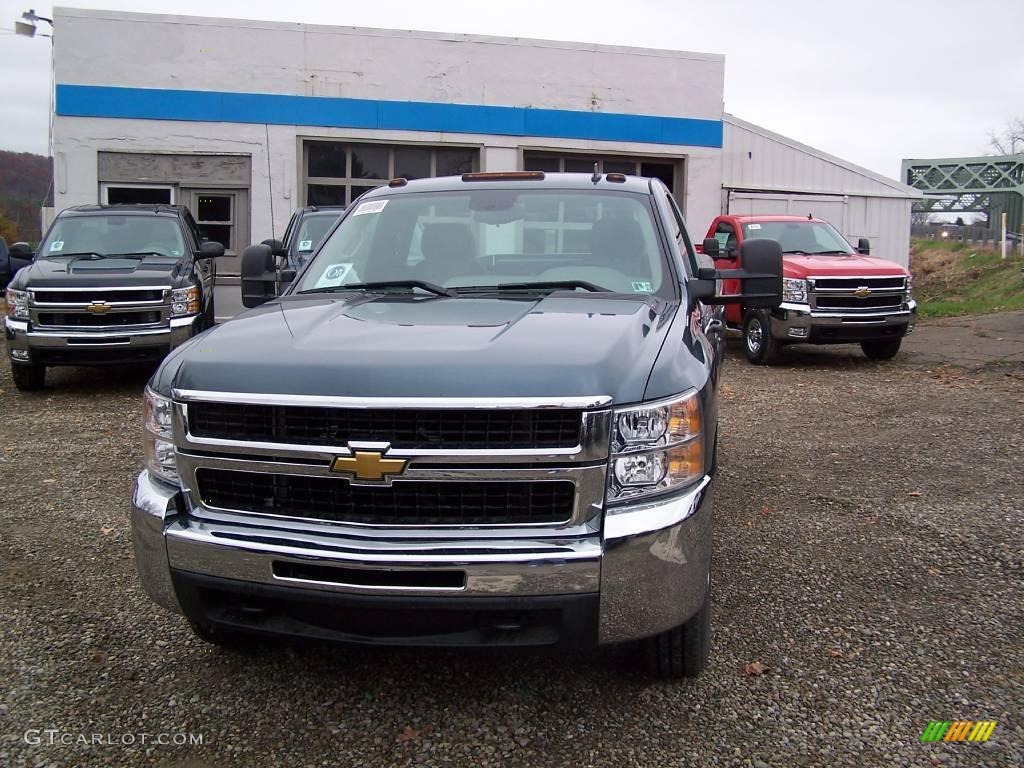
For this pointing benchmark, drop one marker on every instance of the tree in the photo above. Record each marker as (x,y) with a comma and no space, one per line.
(8,231)
(1010,140)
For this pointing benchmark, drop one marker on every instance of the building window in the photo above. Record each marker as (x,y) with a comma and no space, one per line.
(126,194)
(558,162)
(336,172)
(215,216)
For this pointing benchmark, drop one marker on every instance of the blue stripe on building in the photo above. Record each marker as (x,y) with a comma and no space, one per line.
(279,109)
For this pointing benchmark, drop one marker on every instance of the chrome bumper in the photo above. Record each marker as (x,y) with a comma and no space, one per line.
(22,340)
(798,322)
(649,567)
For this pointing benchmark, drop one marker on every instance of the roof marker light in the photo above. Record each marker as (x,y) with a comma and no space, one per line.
(504,176)
(401,181)
(618,178)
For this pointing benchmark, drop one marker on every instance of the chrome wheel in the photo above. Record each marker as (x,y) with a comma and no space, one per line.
(755,335)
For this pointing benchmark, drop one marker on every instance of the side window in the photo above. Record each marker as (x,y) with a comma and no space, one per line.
(192,227)
(683,237)
(726,237)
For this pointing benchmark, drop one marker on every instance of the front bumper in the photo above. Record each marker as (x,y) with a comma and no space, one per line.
(645,573)
(95,347)
(800,323)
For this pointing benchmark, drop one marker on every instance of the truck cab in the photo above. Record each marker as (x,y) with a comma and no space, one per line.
(109,284)
(305,231)
(483,414)
(833,293)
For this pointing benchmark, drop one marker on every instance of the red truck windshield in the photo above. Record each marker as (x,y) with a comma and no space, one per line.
(811,237)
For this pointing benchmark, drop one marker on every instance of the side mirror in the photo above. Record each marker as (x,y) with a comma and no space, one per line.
(761,278)
(864,246)
(276,247)
(711,248)
(259,275)
(21,251)
(209,249)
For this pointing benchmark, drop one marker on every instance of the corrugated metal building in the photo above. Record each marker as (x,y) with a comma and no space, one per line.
(764,172)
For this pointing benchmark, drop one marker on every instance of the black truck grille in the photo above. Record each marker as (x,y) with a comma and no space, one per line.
(853,283)
(854,302)
(403,428)
(402,503)
(77,319)
(100,294)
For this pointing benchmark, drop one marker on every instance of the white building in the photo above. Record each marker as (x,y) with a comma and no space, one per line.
(244,121)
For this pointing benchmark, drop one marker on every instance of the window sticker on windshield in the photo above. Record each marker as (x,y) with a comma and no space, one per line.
(642,286)
(57,245)
(371,206)
(333,275)
(305,245)
(753,226)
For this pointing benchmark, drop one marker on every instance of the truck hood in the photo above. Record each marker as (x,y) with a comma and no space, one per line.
(110,272)
(410,346)
(797,266)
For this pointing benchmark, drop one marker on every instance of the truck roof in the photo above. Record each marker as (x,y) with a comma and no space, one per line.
(510,180)
(753,219)
(128,208)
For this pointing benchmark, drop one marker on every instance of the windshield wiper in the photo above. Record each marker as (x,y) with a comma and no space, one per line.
(831,253)
(550,285)
(140,254)
(382,284)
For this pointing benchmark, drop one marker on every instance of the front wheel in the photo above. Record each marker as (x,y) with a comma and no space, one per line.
(28,377)
(682,651)
(758,344)
(885,349)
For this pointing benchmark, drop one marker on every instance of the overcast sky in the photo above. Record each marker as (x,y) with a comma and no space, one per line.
(872,81)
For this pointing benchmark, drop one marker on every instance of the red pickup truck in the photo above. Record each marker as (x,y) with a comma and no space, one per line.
(833,293)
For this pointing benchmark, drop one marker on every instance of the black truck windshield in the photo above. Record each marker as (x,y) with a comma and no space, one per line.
(113,235)
(811,237)
(490,237)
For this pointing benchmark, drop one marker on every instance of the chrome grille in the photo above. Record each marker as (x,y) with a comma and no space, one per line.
(853,295)
(73,308)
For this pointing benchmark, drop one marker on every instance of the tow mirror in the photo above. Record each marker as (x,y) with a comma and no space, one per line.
(276,247)
(710,247)
(21,251)
(259,275)
(209,249)
(760,278)
(864,246)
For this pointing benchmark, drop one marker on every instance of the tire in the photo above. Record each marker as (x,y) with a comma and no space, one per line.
(883,349)
(758,344)
(682,651)
(28,377)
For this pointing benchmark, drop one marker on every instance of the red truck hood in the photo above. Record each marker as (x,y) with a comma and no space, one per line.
(797,266)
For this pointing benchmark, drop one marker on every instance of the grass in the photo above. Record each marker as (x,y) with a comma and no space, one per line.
(954,278)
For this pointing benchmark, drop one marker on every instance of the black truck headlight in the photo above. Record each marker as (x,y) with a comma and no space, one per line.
(656,447)
(185,301)
(17,304)
(158,437)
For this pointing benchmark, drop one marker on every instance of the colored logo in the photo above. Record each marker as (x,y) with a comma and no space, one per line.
(368,465)
(99,307)
(863,292)
(958,730)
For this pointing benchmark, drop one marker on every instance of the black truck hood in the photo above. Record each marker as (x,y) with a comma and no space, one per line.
(109,272)
(404,346)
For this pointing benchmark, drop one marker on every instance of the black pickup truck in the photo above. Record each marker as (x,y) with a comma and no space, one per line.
(484,413)
(306,229)
(109,284)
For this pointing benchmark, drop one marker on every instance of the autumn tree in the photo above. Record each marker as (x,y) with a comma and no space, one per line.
(8,231)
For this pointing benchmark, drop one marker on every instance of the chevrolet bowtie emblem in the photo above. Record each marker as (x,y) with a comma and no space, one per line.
(99,307)
(368,465)
(863,292)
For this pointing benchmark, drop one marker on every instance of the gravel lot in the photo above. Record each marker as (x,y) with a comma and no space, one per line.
(869,553)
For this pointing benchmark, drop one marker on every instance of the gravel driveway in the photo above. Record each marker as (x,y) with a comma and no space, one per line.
(869,554)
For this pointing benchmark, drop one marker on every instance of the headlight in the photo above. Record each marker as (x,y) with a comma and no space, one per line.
(158,435)
(17,304)
(656,447)
(910,289)
(185,301)
(794,290)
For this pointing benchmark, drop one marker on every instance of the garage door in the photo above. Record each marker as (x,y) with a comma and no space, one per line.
(831,208)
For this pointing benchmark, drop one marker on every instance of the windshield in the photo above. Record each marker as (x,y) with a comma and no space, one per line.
(114,234)
(488,237)
(312,230)
(815,237)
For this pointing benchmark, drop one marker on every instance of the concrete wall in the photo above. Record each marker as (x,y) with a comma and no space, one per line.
(199,54)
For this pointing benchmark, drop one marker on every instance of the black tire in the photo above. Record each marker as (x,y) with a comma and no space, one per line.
(682,651)
(758,344)
(882,349)
(28,377)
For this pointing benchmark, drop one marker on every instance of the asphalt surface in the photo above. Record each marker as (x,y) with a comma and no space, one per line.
(869,555)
